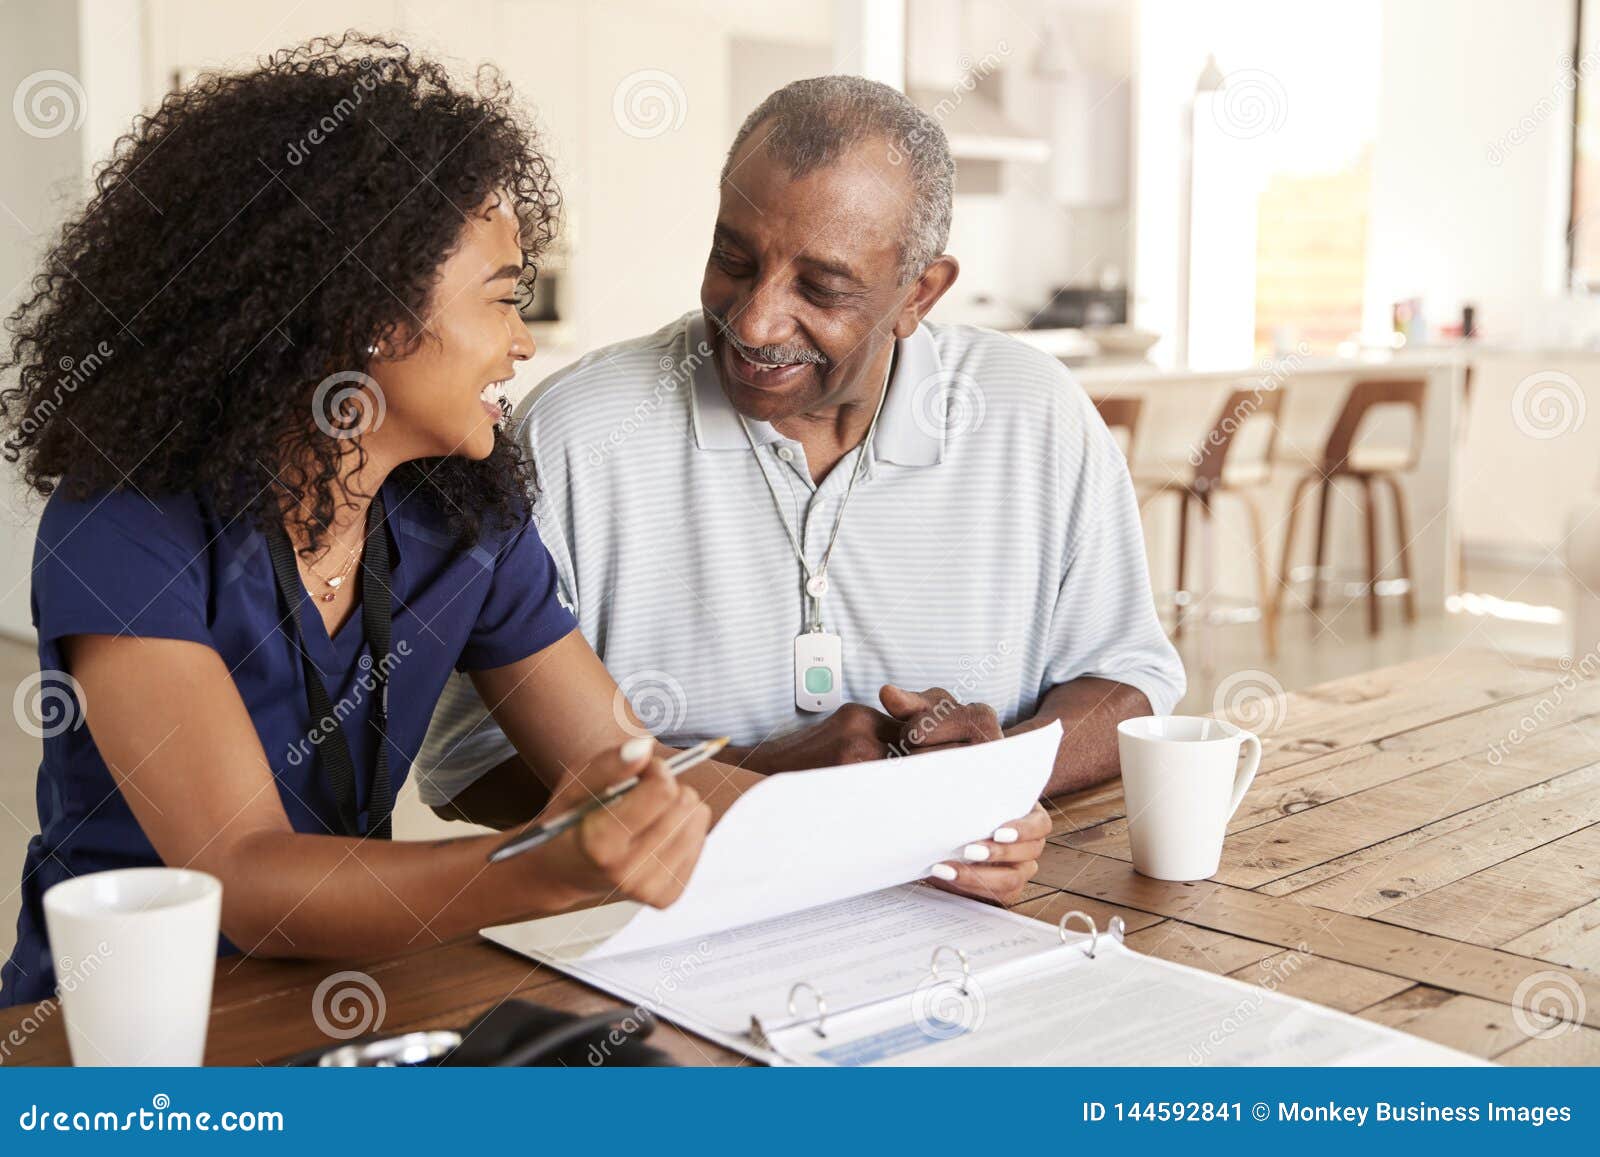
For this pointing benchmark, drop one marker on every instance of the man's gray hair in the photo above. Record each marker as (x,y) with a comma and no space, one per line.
(815,121)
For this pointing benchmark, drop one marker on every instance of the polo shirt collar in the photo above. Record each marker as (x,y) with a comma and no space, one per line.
(904,436)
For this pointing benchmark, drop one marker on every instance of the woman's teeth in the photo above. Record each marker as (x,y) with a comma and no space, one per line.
(492,393)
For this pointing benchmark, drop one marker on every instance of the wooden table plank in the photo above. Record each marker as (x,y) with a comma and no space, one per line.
(1421,848)
(1571,939)
(1501,902)
(1371,705)
(1307,838)
(1052,907)
(1402,952)
(1384,874)
(1580,1046)
(1321,980)
(1199,947)
(1484,1028)
(1564,732)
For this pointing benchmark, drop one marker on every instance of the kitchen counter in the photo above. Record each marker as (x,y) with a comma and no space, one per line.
(1181,407)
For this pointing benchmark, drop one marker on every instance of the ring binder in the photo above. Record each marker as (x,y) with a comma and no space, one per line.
(966,965)
(1030,997)
(820,1028)
(761,1036)
(1116,927)
(763,1039)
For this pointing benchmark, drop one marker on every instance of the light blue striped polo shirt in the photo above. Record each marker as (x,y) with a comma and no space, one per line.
(992,545)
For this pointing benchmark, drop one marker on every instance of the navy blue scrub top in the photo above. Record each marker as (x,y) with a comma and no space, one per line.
(121,564)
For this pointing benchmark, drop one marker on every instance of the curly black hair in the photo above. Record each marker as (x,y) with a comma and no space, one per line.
(247,240)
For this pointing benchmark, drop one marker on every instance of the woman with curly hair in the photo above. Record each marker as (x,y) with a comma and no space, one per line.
(281,510)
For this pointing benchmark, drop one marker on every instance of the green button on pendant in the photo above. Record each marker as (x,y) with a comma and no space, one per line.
(819,680)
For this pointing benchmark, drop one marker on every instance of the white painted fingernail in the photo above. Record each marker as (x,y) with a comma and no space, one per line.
(942,871)
(1004,835)
(637,748)
(975,852)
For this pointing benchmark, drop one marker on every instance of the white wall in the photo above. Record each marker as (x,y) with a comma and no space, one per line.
(1448,220)
(640,193)
(1470,204)
(41,174)
(1303,95)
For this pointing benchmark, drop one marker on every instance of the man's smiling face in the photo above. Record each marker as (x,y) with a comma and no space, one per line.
(802,287)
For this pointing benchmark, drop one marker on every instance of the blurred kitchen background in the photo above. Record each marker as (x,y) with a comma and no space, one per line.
(1238,221)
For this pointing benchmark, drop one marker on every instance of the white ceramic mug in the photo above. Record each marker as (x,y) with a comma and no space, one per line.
(1182,781)
(135,950)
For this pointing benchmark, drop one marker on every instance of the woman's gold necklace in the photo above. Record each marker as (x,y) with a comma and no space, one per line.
(333,584)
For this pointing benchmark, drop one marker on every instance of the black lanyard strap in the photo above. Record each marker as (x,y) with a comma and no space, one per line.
(332,750)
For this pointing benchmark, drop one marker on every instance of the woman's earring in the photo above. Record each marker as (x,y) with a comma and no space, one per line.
(372,351)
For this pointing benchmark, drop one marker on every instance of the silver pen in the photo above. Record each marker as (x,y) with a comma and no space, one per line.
(544,832)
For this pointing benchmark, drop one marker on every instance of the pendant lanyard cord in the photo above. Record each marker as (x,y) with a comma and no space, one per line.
(814,602)
(332,753)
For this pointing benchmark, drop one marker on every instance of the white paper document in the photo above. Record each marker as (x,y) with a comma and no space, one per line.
(1031,997)
(805,838)
(855,951)
(806,882)
(1059,1006)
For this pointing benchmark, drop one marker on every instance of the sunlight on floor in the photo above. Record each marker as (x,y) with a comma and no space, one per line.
(1468,603)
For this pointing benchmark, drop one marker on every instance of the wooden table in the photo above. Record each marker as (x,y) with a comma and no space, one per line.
(1391,861)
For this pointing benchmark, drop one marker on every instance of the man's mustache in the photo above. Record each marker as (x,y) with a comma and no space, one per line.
(772,355)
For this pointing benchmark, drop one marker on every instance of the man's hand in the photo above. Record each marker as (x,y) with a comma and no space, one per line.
(936,718)
(855,733)
(997,869)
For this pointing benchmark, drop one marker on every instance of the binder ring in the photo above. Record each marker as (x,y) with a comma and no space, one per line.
(1094,932)
(820,1028)
(966,965)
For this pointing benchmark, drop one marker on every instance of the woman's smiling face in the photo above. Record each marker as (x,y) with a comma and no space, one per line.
(441,391)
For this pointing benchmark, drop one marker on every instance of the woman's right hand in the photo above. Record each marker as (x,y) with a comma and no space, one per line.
(642,846)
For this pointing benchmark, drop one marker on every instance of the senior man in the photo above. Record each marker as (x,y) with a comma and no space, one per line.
(806,518)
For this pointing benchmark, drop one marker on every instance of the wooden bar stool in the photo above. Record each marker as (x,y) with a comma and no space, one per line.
(1369,468)
(1121,416)
(1228,461)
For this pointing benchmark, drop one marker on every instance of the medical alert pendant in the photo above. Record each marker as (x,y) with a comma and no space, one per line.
(818,671)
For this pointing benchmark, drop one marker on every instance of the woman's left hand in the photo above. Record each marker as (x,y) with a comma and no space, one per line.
(999,868)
